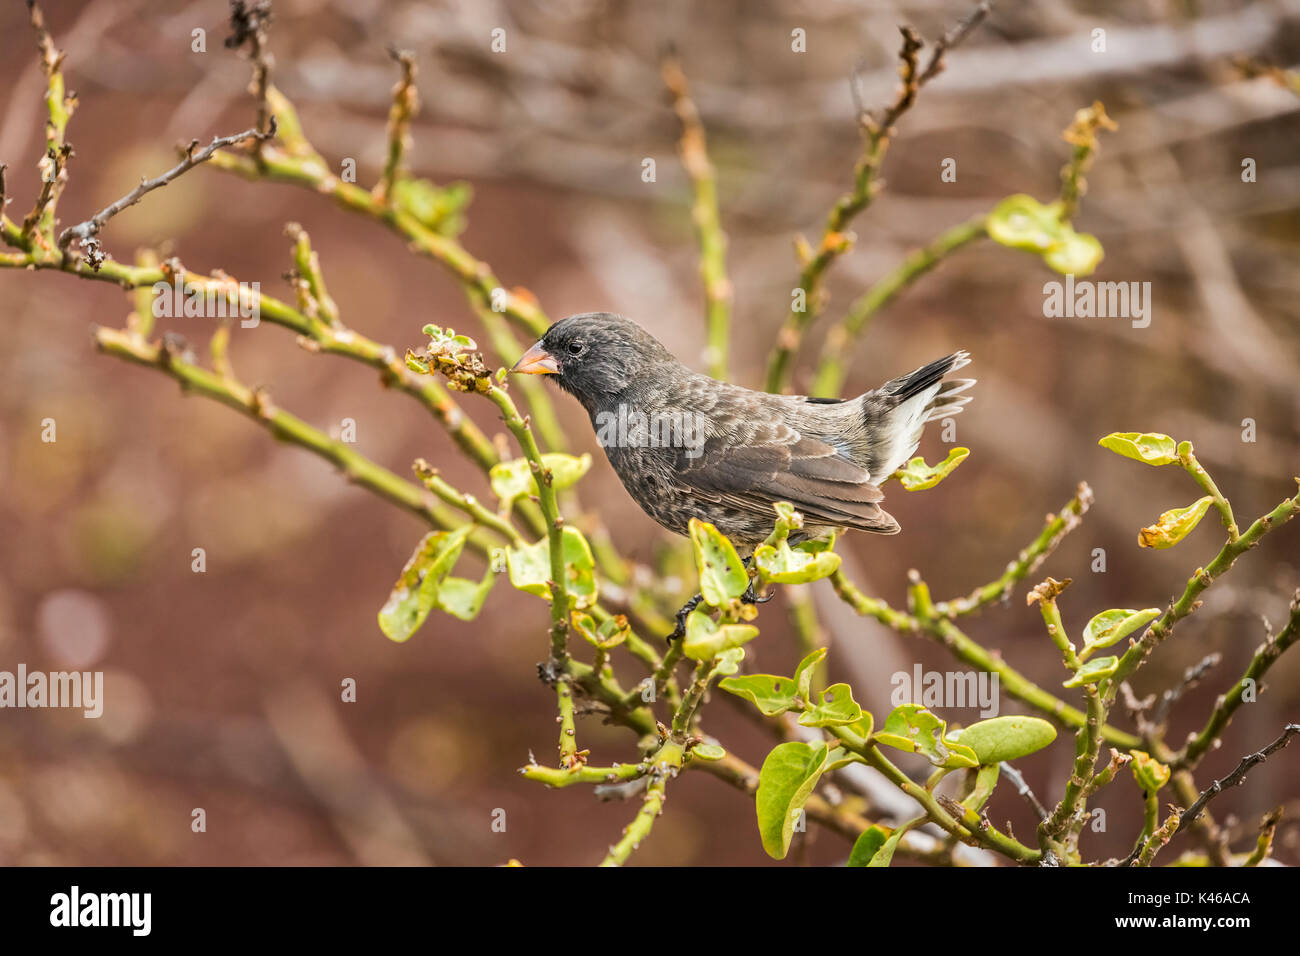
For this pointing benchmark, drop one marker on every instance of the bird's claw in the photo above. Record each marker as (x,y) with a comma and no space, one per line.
(749,597)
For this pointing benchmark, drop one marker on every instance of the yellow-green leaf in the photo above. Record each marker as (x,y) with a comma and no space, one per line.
(708,752)
(1022,222)
(1149,773)
(416,592)
(513,479)
(785,782)
(1005,738)
(608,634)
(706,639)
(722,574)
(803,674)
(914,729)
(1099,668)
(1172,526)
(836,708)
(1149,447)
(784,565)
(1074,253)
(530,568)
(1110,627)
(916,475)
(771,694)
(867,844)
(463,598)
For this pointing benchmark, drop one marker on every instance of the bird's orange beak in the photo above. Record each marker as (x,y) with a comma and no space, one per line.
(537,361)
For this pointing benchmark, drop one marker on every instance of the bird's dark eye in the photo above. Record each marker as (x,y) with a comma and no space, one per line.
(575,348)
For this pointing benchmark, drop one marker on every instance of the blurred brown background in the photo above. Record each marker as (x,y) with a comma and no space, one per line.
(222,688)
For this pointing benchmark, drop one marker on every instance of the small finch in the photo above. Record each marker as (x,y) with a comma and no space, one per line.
(688,446)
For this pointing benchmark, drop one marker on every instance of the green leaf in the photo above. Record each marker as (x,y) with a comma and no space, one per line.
(914,729)
(728,662)
(862,726)
(1099,668)
(1074,253)
(885,855)
(438,208)
(463,598)
(816,545)
(837,708)
(1149,773)
(513,479)
(772,695)
(785,782)
(416,592)
(608,634)
(722,574)
(865,846)
(1022,222)
(417,363)
(839,757)
(916,475)
(446,341)
(986,778)
(1149,447)
(1172,526)
(1111,627)
(1005,738)
(530,568)
(784,565)
(705,639)
(708,752)
(803,674)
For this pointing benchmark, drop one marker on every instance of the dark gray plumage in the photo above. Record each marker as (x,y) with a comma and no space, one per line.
(686,445)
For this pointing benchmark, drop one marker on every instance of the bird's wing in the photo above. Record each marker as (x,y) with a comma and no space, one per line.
(753,467)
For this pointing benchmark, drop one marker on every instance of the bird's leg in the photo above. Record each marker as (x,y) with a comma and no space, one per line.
(749,597)
(680,630)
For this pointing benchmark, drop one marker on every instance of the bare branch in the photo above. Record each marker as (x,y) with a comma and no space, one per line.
(1191,677)
(406,102)
(249,22)
(1237,776)
(85,231)
(1022,788)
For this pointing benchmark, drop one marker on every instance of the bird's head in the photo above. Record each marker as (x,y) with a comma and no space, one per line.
(595,355)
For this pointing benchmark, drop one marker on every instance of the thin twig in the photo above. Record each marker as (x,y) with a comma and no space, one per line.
(1191,677)
(1022,788)
(693,148)
(92,226)
(406,102)
(878,130)
(1264,658)
(1237,776)
(249,22)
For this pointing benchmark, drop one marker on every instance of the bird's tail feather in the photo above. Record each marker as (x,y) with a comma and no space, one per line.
(897,412)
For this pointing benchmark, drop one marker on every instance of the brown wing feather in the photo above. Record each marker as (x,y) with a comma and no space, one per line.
(779,464)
